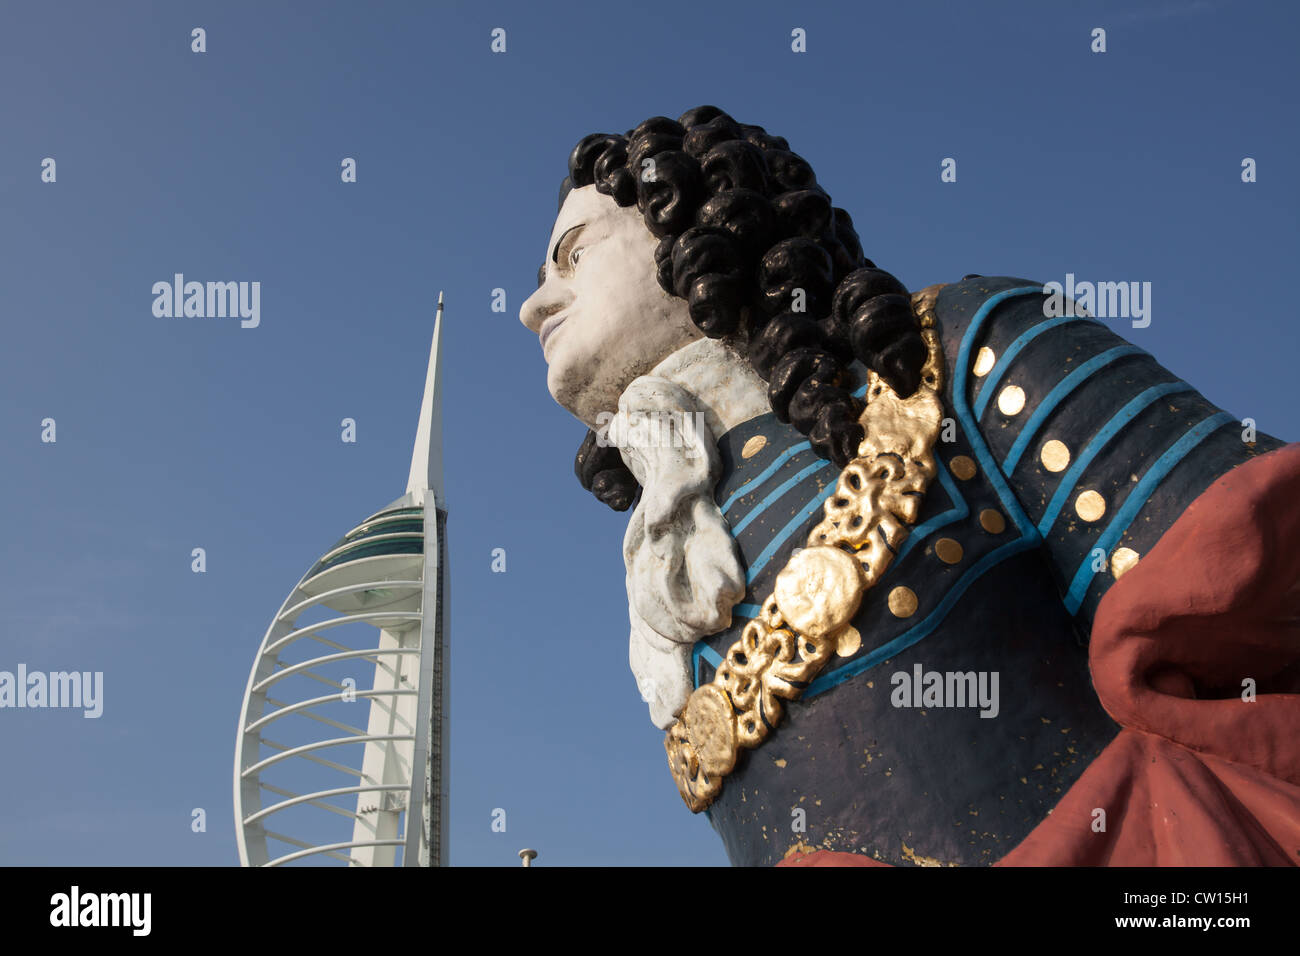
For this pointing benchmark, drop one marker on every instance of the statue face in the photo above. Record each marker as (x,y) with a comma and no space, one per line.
(600,314)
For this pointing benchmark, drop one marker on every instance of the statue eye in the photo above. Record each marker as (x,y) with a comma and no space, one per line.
(573,256)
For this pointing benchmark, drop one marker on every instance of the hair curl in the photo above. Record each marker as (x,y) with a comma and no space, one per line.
(742,225)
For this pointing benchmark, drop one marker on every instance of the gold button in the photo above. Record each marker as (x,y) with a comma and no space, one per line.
(985,359)
(948,550)
(902,601)
(848,641)
(1055,456)
(991,520)
(753,446)
(1123,560)
(963,467)
(1090,506)
(1011,400)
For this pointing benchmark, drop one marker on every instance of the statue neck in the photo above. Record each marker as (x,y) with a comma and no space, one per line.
(729,391)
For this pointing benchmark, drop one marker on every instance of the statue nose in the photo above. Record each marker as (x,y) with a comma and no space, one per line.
(540,306)
(531,314)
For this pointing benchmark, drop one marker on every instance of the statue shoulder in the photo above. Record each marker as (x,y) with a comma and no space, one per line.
(1095,446)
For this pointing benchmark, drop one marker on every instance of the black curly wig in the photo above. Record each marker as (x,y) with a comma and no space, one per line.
(753,244)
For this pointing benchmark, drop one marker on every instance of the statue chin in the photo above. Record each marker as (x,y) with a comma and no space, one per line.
(684,572)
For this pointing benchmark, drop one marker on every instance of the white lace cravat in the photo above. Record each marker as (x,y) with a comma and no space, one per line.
(684,572)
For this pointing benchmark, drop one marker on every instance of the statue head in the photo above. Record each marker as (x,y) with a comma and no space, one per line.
(703,226)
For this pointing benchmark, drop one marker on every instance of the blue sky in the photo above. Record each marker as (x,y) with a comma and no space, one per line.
(183,433)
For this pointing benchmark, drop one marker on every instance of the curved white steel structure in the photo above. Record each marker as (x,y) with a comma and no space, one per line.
(347,702)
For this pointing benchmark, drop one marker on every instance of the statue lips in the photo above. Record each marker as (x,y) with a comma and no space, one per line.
(548,329)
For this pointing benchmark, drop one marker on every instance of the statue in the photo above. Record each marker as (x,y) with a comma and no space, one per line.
(947,577)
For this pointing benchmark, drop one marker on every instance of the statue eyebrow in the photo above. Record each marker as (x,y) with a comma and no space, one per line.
(555,253)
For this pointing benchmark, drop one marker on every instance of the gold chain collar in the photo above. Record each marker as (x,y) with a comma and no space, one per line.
(806,617)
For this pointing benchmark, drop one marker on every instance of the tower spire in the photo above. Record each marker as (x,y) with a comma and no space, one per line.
(426,458)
